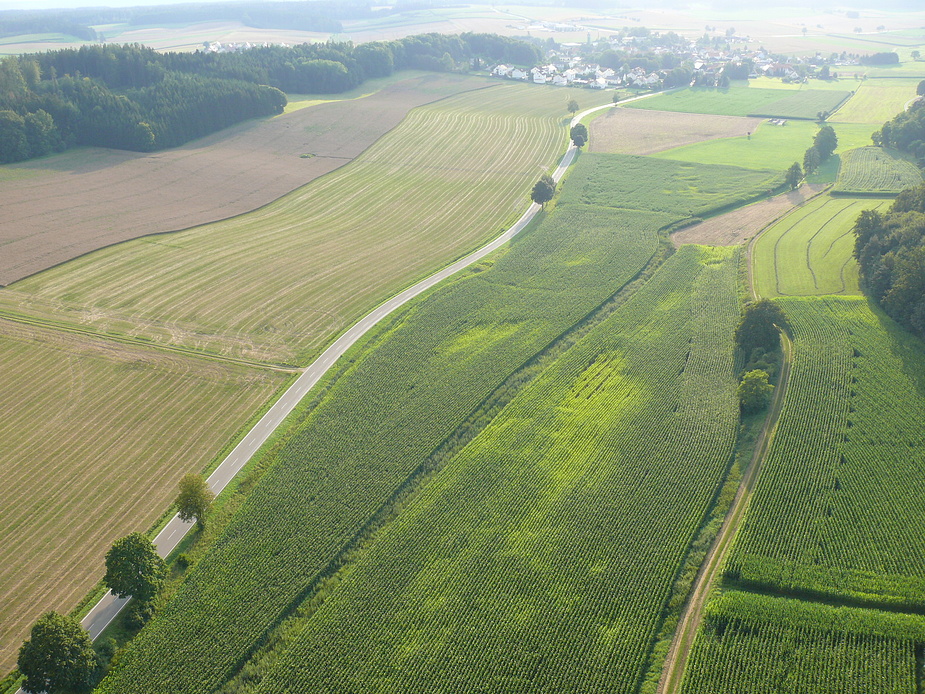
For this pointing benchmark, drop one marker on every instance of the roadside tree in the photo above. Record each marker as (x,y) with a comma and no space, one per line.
(134,568)
(544,190)
(194,499)
(579,135)
(572,106)
(58,658)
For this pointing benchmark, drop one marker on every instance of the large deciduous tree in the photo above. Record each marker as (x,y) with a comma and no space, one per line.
(826,141)
(794,175)
(194,500)
(572,106)
(579,134)
(58,658)
(759,325)
(544,190)
(134,568)
(754,391)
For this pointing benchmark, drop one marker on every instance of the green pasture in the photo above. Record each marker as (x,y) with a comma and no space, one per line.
(810,251)
(741,100)
(677,188)
(772,147)
(876,101)
(908,69)
(541,532)
(765,645)
(405,391)
(837,509)
(95,437)
(876,171)
(279,283)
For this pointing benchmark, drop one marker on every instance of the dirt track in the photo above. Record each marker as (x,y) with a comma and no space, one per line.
(63,206)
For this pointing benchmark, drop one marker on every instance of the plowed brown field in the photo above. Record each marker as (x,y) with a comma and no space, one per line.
(64,206)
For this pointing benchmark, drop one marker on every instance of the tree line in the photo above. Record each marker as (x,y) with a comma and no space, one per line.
(132,97)
(906,130)
(890,249)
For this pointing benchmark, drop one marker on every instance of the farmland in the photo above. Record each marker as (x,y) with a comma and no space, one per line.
(876,101)
(837,508)
(747,101)
(763,645)
(809,252)
(740,225)
(81,480)
(310,263)
(59,207)
(429,368)
(534,529)
(632,131)
(875,171)
(689,190)
(772,147)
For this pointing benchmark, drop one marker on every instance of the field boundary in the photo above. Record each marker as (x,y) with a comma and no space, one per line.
(676,662)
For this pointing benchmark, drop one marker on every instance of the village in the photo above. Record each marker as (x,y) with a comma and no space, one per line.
(639,59)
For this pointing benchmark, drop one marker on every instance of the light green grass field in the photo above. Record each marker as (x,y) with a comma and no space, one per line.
(875,170)
(745,101)
(279,283)
(876,101)
(809,252)
(95,437)
(772,147)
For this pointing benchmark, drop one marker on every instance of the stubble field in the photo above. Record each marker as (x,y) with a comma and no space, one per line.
(631,131)
(278,284)
(60,207)
(95,437)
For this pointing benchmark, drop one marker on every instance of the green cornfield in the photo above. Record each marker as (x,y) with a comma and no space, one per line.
(542,556)
(767,645)
(837,510)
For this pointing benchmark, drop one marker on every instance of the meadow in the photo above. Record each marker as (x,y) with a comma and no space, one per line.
(773,147)
(875,171)
(538,533)
(741,100)
(836,510)
(876,101)
(764,645)
(406,392)
(308,265)
(809,252)
(96,436)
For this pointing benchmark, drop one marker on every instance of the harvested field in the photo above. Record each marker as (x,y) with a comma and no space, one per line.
(631,131)
(277,284)
(60,207)
(95,437)
(740,225)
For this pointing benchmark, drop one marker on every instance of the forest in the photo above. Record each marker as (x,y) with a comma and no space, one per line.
(132,97)
(890,249)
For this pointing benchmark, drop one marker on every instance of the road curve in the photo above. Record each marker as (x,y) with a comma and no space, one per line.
(109,606)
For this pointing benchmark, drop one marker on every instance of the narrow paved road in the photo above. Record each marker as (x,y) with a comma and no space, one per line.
(167,540)
(102,614)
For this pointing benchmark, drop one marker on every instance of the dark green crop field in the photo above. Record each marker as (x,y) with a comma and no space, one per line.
(838,508)
(766,645)
(535,559)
